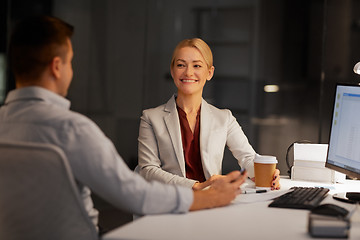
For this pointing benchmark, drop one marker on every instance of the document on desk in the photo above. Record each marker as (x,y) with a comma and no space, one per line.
(258,197)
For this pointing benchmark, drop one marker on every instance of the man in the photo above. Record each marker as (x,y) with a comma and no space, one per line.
(36,111)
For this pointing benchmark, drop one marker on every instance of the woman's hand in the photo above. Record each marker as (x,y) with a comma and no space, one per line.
(275,184)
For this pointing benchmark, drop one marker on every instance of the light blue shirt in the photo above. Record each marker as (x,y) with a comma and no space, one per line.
(35,114)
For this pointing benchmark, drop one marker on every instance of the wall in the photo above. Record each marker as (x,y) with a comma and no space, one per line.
(109,43)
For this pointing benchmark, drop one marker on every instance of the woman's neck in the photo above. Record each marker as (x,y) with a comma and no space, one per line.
(189,103)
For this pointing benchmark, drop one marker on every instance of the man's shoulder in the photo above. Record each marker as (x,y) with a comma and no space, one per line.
(76,118)
(61,118)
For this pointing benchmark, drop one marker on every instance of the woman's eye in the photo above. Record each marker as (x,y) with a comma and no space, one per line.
(197,66)
(180,65)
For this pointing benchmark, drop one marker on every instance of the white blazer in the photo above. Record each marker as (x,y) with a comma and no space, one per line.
(160,151)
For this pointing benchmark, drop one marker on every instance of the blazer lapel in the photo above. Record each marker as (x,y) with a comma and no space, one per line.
(173,127)
(205,134)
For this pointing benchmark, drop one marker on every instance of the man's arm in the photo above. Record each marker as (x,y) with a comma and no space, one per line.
(221,193)
(100,167)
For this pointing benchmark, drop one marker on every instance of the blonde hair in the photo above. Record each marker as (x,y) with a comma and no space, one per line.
(200,45)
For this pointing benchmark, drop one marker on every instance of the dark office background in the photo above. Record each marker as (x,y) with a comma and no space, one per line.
(123,49)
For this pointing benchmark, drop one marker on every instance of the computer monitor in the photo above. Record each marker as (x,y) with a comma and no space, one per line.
(344,143)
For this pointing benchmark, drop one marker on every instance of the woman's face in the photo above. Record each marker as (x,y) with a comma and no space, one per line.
(190,71)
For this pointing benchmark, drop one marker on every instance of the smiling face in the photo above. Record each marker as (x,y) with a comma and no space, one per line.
(190,71)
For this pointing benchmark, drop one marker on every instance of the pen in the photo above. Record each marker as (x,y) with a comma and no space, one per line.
(254,191)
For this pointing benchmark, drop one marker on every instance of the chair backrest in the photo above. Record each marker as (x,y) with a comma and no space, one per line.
(38,195)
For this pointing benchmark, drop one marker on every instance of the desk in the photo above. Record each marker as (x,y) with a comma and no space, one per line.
(236,221)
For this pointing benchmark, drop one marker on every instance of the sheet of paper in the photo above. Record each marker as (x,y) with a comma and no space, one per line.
(256,197)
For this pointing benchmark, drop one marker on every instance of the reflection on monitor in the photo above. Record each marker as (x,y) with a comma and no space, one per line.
(344,144)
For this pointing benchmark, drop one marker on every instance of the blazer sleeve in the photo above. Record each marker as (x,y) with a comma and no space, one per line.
(150,164)
(239,145)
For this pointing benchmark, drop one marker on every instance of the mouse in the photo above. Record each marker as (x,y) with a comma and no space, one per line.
(330,210)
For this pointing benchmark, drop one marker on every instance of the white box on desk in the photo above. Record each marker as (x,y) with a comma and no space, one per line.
(316,174)
(309,164)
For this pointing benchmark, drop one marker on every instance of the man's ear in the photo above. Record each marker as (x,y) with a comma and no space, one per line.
(55,67)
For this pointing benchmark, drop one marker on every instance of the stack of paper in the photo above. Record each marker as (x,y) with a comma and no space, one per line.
(309,164)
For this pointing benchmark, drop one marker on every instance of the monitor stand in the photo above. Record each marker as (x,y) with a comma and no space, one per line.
(349,197)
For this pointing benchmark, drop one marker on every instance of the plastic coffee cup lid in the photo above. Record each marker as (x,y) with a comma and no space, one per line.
(265,159)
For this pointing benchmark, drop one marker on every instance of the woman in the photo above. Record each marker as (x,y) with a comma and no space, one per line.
(182,142)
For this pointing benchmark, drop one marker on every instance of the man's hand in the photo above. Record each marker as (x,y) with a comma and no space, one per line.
(221,192)
(201,185)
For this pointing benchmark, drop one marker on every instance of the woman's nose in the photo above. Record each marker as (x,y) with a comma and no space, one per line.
(189,71)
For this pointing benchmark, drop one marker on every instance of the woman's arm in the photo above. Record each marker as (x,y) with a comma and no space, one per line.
(243,151)
(239,145)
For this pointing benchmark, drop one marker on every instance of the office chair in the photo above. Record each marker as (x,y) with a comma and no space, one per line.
(38,195)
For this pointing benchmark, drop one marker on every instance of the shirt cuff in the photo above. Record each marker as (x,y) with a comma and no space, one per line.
(185,199)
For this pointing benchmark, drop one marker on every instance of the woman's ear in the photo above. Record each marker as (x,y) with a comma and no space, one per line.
(211,73)
(172,73)
(55,67)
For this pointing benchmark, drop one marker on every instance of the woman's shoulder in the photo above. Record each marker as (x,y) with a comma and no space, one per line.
(155,109)
(156,112)
(166,107)
(217,111)
(219,116)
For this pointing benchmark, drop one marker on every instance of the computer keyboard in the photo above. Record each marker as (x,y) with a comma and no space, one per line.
(300,198)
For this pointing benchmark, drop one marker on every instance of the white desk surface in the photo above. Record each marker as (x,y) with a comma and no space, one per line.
(239,220)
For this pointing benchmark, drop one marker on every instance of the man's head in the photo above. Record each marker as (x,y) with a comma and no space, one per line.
(41,45)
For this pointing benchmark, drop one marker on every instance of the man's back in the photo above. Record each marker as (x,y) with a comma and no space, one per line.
(35,108)
(34,114)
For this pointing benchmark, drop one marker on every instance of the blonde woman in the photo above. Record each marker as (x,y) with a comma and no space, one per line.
(182,142)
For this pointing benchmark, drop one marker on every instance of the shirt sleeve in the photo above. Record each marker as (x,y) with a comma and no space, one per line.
(96,164)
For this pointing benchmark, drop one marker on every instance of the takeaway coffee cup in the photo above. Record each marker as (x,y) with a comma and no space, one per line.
(264,167)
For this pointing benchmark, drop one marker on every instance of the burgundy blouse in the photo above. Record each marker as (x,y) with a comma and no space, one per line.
(191,146)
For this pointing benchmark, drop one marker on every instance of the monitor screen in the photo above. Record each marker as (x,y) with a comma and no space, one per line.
(344,144)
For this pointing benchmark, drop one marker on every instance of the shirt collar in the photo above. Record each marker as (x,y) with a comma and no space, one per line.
(37,93)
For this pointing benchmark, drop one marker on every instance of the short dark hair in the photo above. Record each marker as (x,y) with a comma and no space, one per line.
(35,41)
